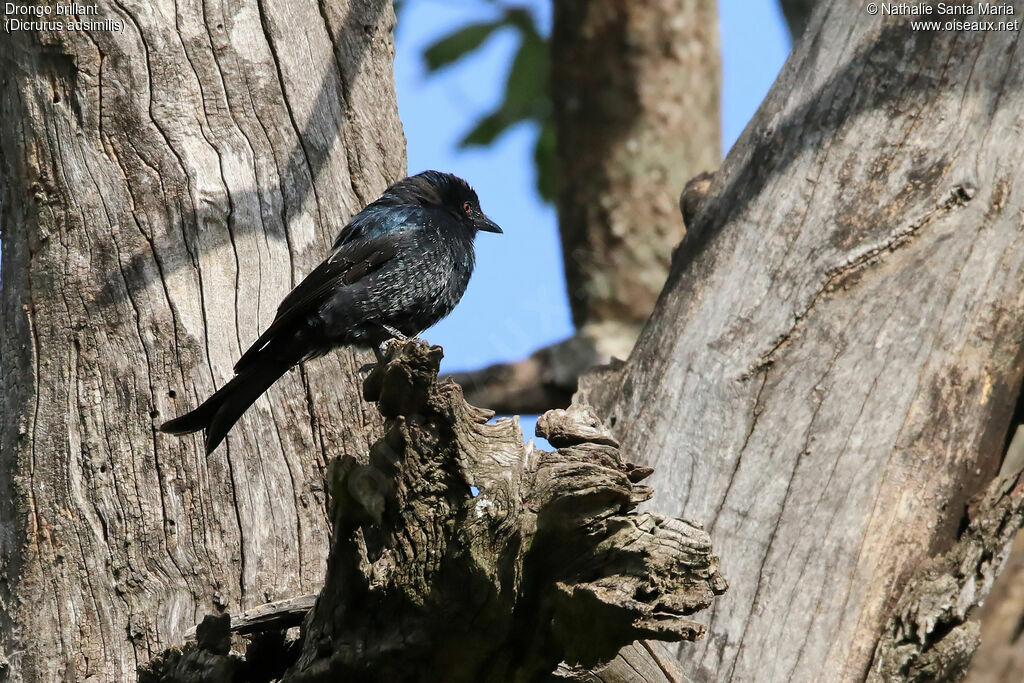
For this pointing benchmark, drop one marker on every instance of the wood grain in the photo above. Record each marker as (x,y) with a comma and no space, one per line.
(163,189)
(428,580)
(829,375)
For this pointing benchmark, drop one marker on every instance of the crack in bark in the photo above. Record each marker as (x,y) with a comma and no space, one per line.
(778,521)
(301,146)
(958,197)
(756,414)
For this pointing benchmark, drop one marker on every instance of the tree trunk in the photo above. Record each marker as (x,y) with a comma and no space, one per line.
(636,96)
(1000,656)
(165,184)
(636,90)
(829,376)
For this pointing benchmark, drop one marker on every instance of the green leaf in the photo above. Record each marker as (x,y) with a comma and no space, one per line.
(526,87)
(526,90)
(526,95)
(490,127)
(522,19)
(457,45)
(544,157)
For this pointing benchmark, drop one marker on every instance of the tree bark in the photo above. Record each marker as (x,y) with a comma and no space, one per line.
(1001,617)
(164,185)
(429,580)
(829,376)
(636,97)
(636,90)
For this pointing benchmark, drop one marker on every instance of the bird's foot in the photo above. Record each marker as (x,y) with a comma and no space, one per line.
(400,341)
(382,350)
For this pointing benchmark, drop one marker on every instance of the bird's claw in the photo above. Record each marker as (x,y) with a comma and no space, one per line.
(401,340)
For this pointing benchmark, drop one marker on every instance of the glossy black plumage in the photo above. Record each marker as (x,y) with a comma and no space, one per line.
(398,267)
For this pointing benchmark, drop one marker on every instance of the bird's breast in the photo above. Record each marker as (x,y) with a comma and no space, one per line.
(445,276)
(428,279)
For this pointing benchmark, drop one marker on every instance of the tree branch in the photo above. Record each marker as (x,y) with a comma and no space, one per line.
(829,375)
(549,377)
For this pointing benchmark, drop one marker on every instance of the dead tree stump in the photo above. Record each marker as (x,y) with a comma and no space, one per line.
(459,553)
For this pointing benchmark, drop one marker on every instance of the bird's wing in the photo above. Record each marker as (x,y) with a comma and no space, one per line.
(346,266)
(380,219)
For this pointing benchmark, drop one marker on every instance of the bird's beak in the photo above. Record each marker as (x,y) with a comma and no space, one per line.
(486,224)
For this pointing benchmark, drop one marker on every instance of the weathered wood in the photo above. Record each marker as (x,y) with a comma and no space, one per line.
(928,636)
(548,561)
(830,373)
(163,188)
(638,662)
(1000,656)
(273,616)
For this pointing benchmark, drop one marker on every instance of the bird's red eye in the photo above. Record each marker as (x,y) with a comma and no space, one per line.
(467,207)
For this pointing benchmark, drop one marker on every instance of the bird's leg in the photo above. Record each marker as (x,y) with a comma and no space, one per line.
(378,349)
(401,337)
(394,332)
(398,335)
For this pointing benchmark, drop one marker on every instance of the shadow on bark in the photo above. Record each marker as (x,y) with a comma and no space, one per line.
(351,42)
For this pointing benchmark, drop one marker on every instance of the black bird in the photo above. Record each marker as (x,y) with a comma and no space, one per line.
(398,267)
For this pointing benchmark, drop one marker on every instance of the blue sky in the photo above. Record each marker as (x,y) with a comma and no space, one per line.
(516,300)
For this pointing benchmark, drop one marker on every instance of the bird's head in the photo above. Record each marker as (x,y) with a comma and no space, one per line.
(434,188)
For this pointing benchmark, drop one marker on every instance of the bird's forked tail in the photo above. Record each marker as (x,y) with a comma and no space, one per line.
(221,411)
